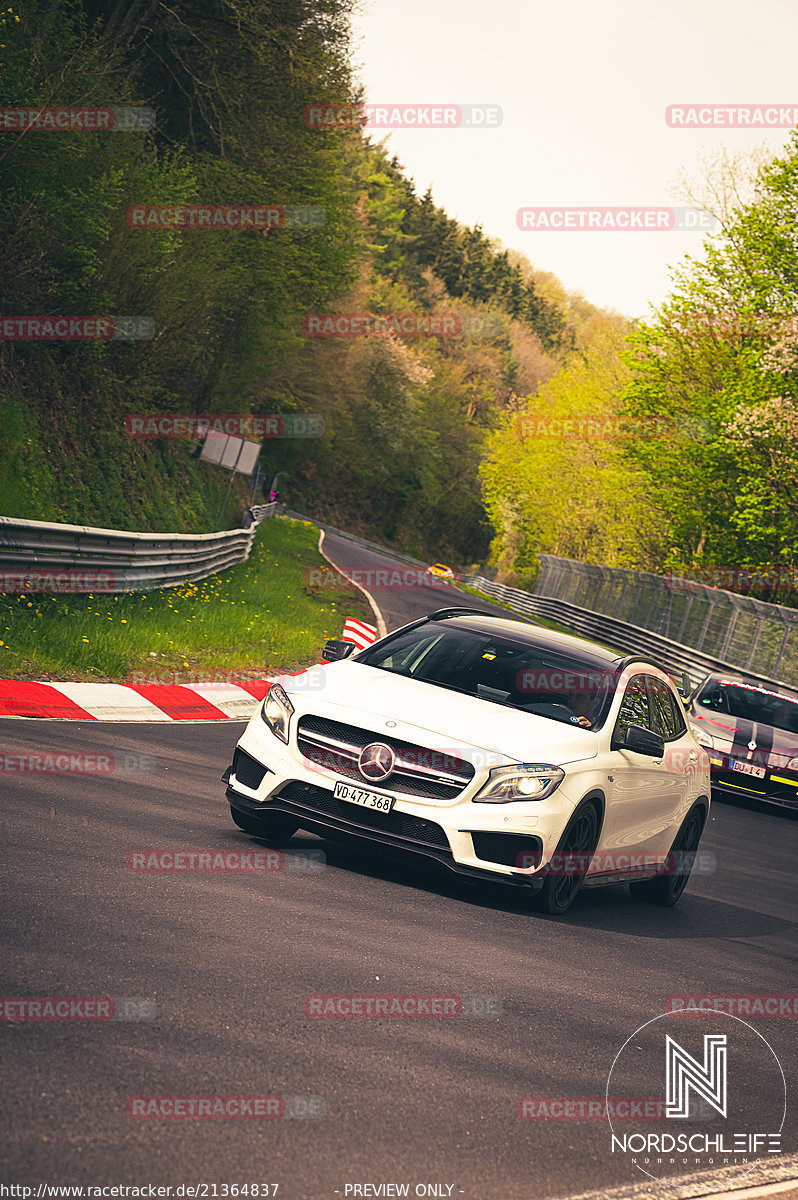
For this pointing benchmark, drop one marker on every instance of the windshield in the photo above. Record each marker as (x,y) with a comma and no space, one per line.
(500,670)
(752,703)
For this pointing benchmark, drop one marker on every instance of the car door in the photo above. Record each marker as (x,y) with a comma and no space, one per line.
(642,793)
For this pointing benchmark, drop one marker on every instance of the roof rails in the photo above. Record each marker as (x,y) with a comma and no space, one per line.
(442,613)
(622,663)
(652,661)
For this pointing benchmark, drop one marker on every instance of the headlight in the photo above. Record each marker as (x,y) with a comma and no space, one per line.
(529,781)
(276,712)
(792,765)
(704,739)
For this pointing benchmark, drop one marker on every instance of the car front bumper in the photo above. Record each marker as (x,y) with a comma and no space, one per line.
(766,791)
(509,843)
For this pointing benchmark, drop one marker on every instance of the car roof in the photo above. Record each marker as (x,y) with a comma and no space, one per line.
(535,635)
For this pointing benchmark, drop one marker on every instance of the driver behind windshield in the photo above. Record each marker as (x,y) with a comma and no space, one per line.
(583,704)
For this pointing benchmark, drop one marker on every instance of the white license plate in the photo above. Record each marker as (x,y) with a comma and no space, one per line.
(748,769)
(356,795)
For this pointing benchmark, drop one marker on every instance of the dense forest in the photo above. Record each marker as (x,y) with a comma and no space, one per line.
(448,446)
(405,418)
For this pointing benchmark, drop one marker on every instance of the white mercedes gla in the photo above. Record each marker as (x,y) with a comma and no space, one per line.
(502,750)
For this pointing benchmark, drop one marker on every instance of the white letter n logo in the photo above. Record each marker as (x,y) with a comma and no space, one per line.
(684,1072)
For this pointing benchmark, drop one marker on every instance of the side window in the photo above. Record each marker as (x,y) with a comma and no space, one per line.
(678,712)
(405,655)
(668,721)
(634,708)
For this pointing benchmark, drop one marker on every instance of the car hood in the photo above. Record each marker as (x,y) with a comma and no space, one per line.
(435,717)
(739,732)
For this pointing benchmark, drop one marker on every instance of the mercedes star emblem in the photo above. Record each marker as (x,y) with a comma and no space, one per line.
(376,761)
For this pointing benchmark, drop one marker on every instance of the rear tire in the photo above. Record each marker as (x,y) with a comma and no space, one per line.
(272,827)
(666,890)
(560,890)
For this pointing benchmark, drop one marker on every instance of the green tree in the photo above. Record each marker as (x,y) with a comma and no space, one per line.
(720,361)
(556,479)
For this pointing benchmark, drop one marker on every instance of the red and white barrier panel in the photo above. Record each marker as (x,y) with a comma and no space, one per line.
(132,702)
(359,632)
(152,701)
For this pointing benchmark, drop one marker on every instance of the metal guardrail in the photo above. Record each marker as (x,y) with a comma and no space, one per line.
(632,639)
(39,555)
(758,639)
(259,512)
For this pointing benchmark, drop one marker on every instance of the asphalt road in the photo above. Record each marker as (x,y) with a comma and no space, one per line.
(228,960)
(402,592)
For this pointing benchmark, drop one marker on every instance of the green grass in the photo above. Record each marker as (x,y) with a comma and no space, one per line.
(256,618)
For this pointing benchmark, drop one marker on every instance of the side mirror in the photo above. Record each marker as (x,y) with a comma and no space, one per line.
(683,685)
(335,650)
(644,741)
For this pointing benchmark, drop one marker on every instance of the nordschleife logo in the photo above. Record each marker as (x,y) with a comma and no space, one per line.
(721,1087)
(683,1075)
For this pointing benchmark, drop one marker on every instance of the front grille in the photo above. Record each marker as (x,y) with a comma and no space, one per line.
(308,797)
(510,849)
(419,771)
(247,771)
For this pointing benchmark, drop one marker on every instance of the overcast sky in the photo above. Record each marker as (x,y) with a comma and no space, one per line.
(583,85)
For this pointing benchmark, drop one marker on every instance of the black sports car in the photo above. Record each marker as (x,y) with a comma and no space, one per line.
(751,736)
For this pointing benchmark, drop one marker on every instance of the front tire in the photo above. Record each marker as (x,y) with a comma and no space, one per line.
(560,889)
(666,890)
(272,827)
